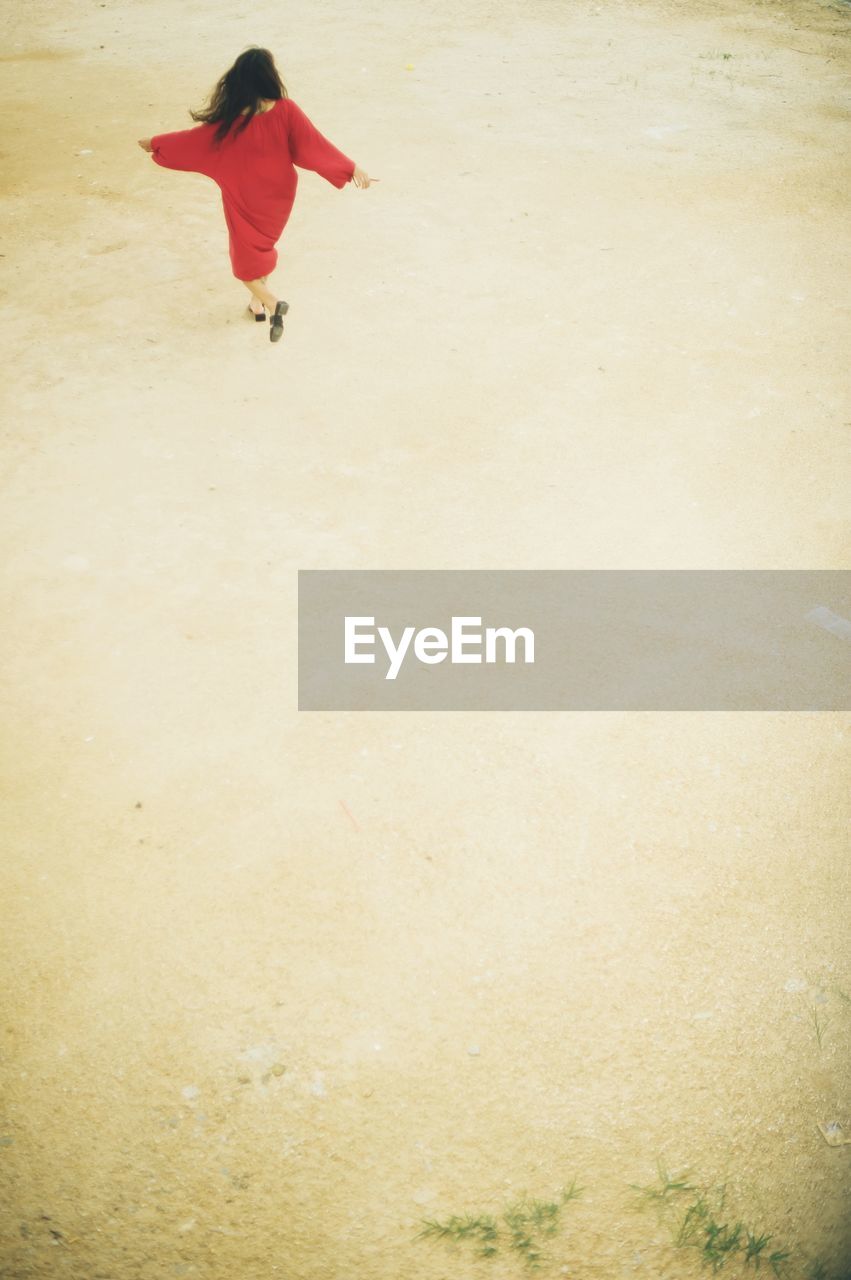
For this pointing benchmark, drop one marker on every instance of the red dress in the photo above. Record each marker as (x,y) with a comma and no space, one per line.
(255,170)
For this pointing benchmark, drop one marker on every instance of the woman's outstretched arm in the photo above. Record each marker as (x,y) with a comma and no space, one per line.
(311,150)
(191,150)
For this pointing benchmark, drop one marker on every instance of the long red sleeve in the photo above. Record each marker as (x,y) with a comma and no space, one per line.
(310,150)
(188,149)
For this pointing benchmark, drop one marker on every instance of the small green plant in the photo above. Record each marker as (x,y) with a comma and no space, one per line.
(659,1194)
(523,1227)
(481,1229)
(702,1227)
(720,1241)
(754,1247)
(528,1221)
(698,1219)
(703,1210)
(819,1022)
(779,1261)
(521,1235)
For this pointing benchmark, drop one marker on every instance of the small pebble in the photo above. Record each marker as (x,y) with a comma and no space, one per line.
(474,1051)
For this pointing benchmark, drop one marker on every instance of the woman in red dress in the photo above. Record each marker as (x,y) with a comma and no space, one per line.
(249,140)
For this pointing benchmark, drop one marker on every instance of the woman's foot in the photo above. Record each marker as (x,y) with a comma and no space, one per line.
(276,330)
(257,310)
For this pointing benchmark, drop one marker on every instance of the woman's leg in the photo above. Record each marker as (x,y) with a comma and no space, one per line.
(259,290)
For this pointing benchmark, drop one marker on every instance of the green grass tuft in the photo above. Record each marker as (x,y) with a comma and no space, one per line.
(698,1219)
(481,1229)
(523,1227)
(660,1193)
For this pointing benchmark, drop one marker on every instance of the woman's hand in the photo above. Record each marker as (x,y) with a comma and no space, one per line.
(362,179)
(145,144)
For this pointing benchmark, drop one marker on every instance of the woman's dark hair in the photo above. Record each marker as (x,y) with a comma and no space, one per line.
(252,78)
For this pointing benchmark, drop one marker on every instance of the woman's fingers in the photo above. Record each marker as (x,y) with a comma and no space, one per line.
(362,179)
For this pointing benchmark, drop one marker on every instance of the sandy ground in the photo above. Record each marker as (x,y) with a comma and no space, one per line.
(280,986)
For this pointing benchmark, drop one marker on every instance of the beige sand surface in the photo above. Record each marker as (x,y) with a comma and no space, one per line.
(595,315)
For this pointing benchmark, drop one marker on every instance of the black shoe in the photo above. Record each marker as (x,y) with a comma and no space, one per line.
(259,316)
(277,329)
